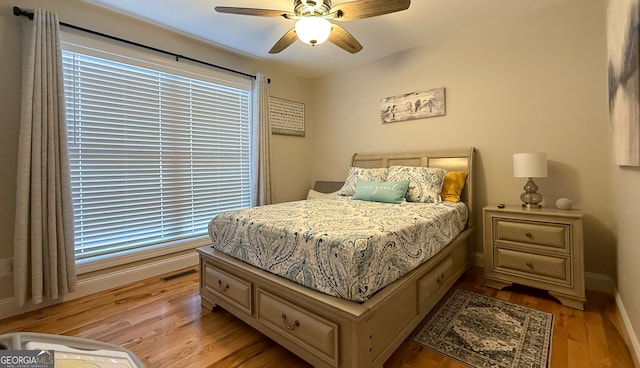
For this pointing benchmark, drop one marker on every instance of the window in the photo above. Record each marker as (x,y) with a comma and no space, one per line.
(154,152)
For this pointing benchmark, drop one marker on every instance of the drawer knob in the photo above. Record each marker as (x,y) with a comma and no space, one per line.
(530,265)
(289,327)
(440,279)
(221,287)
(528,235)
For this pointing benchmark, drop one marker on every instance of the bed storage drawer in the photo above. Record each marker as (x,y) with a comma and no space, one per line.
(228,287)
(431,282)
(305,328)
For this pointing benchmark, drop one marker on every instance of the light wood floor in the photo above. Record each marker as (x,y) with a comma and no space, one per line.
(163,324)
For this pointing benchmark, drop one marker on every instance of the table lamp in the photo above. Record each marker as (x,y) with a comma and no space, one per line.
(530,165)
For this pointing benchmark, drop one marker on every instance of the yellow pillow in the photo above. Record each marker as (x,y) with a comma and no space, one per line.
(453,185)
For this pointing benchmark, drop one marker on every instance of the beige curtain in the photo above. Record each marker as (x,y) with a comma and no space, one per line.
(44,264)
(262,193)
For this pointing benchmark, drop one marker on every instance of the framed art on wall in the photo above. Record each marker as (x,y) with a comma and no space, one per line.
(624,82)
(415,105)
(286,117)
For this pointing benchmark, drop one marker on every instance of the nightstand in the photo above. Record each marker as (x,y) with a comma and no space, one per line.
(541,248)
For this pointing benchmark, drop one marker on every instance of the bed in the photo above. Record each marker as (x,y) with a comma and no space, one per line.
(343,326)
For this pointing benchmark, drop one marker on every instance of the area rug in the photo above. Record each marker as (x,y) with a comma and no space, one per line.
(485,332)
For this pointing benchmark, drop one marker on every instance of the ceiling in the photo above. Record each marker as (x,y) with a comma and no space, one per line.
(424,22)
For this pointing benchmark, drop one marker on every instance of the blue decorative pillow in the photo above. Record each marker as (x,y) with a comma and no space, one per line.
(356,173)
(386,191)
(425,183)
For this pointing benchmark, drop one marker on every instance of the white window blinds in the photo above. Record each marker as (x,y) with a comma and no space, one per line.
(154,155)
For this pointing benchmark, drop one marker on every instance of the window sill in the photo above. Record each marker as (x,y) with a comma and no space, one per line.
(103,262)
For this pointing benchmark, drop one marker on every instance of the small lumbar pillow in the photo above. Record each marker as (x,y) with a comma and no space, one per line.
(386,191)
(314,194)
(452,186)
(356,173)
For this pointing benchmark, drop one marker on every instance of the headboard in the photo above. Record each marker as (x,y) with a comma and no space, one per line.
(450,160)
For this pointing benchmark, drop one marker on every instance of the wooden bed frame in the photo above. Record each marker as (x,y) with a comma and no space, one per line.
(328,331)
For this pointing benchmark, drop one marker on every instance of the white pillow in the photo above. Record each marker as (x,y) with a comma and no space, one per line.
(314,194)
(355,173)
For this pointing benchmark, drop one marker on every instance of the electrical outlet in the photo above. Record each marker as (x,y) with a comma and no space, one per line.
(6,267)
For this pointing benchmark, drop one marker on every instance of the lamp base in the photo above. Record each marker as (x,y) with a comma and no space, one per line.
(531,198)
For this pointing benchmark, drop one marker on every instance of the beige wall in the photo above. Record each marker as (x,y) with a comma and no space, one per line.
(536,83)
(290,154)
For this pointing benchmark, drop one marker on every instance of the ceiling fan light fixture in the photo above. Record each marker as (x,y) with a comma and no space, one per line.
(313,26)
(313,30)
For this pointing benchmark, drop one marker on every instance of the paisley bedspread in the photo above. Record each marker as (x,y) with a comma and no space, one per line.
(341,247)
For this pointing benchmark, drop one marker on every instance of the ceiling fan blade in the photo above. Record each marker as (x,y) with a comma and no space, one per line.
(367,8)
(343,39)
(284,42)
(255,12)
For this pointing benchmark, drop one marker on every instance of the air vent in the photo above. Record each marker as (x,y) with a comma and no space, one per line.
(178,275)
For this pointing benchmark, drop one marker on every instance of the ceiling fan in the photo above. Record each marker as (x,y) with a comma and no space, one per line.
(312,20)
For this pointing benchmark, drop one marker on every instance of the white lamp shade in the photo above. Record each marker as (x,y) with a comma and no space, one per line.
(313,30)
(530,165)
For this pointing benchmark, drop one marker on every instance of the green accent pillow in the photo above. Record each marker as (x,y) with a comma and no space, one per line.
(384,191)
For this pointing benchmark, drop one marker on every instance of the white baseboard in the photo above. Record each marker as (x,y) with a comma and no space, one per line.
(479,259)
(599,282)
(633,344)
(605,284)
(109,280)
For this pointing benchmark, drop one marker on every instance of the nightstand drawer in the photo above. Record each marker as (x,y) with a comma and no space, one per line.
(549,235)
(532,264)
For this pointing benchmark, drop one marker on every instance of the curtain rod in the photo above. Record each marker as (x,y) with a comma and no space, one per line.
(19,12)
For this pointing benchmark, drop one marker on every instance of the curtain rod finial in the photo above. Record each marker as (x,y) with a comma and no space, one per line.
(18,12)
